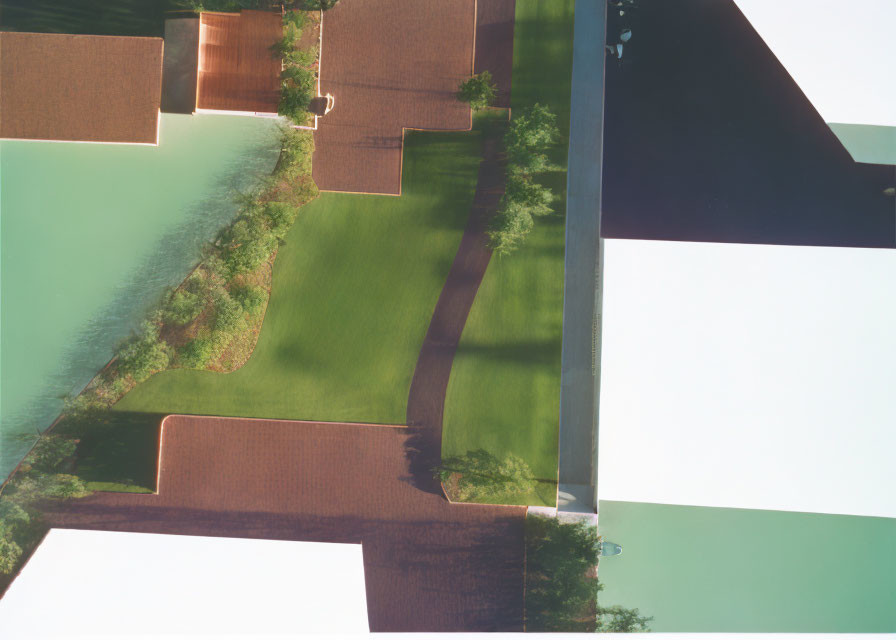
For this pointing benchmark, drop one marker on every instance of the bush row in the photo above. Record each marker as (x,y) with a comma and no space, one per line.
(298,80)
(531,134)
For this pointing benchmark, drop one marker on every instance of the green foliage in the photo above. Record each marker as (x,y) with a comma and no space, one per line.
(229,315)
(561,581)
(478,476)
(296,92)
(295,20)
(144,354)
(183,307)
(51,452)
(63,486)
(300,59)
(530,135)
(561,587)
(197,353)
(280,217)
(295,152)
(251,298)
(12,515)
(621,620)
(479,91)
(248,245)
(10,552)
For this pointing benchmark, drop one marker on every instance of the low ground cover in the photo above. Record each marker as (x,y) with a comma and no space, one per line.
(354,287)
(504,392)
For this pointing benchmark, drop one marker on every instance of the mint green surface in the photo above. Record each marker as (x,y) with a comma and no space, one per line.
(91,234)
(741,570)
(872,144)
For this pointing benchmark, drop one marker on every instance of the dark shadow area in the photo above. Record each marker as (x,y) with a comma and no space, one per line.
(117,447)
(708,138)
(180,66)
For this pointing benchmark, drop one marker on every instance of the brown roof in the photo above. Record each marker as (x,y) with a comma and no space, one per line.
(390,65)
(76,87)
(237,70)
(429,565)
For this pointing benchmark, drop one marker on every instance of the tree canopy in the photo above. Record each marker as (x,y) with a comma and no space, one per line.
(479,91)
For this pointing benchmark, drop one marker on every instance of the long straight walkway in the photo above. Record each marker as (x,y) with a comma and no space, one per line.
(580,373)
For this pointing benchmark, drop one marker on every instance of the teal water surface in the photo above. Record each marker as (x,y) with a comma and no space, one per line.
(90,237)
(698,569)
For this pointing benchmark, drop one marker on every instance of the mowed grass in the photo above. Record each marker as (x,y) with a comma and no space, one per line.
(354,288)
(504,391)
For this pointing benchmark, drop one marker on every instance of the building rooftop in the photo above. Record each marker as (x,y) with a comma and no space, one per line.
(80,88)
(237,70)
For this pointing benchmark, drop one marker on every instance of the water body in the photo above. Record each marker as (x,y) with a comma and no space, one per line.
(90,237)
(702,569)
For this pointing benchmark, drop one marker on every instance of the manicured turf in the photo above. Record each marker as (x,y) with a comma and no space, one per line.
(504,392)
(354,290)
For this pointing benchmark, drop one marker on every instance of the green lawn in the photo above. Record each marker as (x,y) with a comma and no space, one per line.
(504,392)
(354,289)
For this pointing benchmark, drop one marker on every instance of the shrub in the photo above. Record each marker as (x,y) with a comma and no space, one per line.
(251,298)
(63,486)
(51,452)
(280,217)
(509,228)
(229,315)
(535,129)
(295,152)
(295,19)
(479,91)
(299,59)
(183,307)
(10,552)
(144,354)
(561,584)
(296,93)
(480,476)
(248,245)
(197,353)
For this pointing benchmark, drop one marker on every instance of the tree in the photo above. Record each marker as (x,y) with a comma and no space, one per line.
(279,216)
(479,91)
(251,298)
(229,315)
(561,582)
(51,452)
(10,552)
(480,476)
(183,307)
(197,353)
(621,620)
(144,354)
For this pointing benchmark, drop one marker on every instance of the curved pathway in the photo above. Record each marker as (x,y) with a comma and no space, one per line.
(426,400)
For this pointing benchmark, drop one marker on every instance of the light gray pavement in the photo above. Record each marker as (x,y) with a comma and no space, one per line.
(580,376)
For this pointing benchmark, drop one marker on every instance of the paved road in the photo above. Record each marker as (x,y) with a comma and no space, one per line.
(580,376)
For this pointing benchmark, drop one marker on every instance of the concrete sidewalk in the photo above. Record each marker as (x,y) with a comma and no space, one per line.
(580,375)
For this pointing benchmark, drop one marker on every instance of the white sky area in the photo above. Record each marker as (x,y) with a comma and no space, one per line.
(749,376)
(841,53)
(94,584)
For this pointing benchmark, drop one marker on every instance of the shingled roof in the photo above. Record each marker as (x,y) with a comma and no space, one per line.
(80,88)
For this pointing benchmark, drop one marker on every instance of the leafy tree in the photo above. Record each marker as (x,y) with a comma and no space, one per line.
(144,354)
(63,486)
(197,353)
(229,315)
(10,552)
(297,90)
(51,452)
(480,476)
(479,91)
(561,582)
(621,620)
(183,307)
(251,298)
(280,217)
(534,129)
(248,245)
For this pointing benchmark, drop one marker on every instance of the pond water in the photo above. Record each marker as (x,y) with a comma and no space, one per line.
(90,237)
(697,569)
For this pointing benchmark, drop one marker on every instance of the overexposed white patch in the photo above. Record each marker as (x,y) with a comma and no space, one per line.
(100,583)
(749,376)
(840,53)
